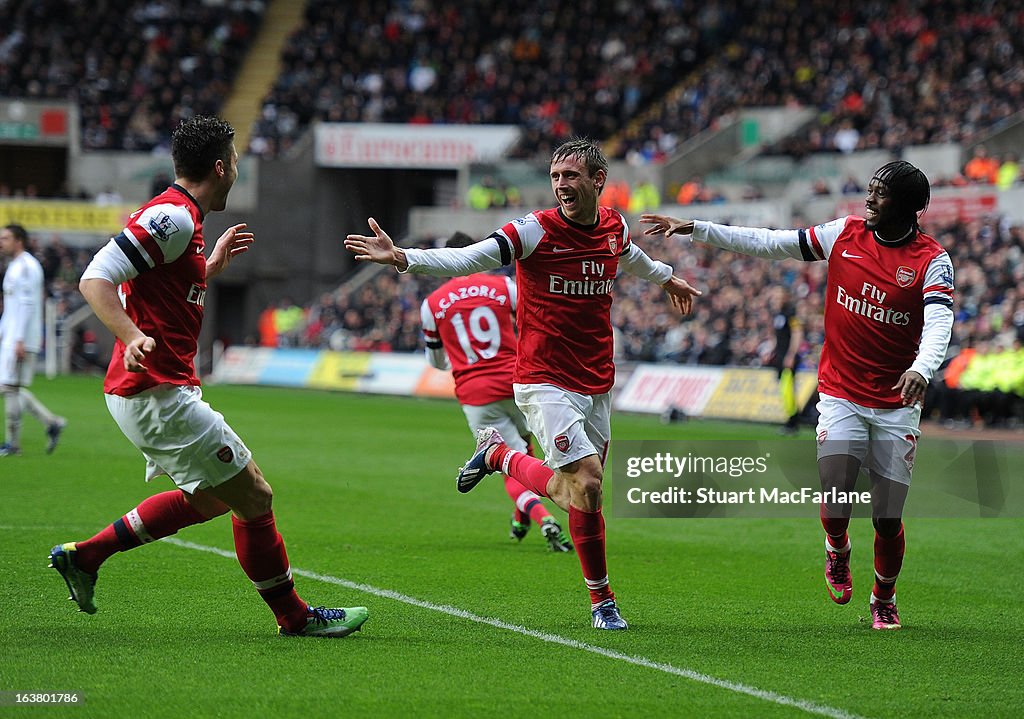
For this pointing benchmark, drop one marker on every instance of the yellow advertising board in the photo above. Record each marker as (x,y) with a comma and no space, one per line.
(64,215)
(340,370)
(753,394)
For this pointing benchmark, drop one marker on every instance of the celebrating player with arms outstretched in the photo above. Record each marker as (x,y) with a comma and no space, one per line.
(888,320)
(148,286)
(566,259)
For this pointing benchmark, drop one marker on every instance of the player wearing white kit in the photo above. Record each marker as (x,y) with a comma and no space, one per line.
(566,259)
(148,286)
(21,340)
(888,321)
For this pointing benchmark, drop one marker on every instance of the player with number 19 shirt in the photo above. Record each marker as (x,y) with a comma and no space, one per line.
(471,320)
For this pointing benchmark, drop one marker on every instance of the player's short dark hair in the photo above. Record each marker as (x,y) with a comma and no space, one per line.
(197,143)
(459,239)
(907,185)
(20,234)
(584,150)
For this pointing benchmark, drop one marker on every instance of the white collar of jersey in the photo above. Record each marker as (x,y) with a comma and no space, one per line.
(893,242)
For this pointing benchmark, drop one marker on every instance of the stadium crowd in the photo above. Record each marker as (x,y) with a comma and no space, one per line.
(553,69)
(135,68)
(880,75)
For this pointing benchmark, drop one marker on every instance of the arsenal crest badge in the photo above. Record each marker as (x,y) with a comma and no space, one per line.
(562,443)
(905,276)
(613,243)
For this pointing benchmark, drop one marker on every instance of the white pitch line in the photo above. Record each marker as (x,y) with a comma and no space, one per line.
(768,696)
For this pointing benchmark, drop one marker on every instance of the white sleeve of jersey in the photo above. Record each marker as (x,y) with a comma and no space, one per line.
(755,241)
(436,355)
(455,261)
(636,262)
(821,238)
(110,264)
(513,293)
(938,327)
(530,234)
(938,281)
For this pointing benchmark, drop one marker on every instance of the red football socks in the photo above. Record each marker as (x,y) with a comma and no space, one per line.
(835,528)
(888,562)
(587,532)
(528,504)
(528,471)
(158,516)
(260,550)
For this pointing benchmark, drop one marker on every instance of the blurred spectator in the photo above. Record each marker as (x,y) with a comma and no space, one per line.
(161,181)
(481,194)
(108,196)
(616,194)
(981,168)
(689,191)
(851,186)
(847,137)
(645,197)
(1009,172)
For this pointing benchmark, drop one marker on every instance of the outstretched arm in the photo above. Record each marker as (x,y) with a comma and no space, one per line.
(441,262)
(666,225)
(754,241)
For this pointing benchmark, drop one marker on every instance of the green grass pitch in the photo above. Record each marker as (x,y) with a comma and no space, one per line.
(729,617)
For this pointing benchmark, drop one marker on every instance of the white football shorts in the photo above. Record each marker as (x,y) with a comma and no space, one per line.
(14,373)
(504,416)
(884,440)
(568,426)
(181,436)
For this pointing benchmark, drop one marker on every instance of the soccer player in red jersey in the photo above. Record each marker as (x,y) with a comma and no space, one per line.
(148,285)
(888,319)
(468,327)
(567,258)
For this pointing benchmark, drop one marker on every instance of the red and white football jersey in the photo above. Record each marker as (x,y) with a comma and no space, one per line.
(874,307)
(164,243)
(472,319)
(565,273)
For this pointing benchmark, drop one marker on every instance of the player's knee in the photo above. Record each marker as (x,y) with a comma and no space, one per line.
(887,527)
(588,484)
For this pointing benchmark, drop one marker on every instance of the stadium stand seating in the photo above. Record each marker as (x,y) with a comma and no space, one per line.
(135,67)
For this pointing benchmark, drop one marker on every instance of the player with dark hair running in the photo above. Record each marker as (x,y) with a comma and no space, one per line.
(148,285)
(888,321)
(469,328)
(567,258)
